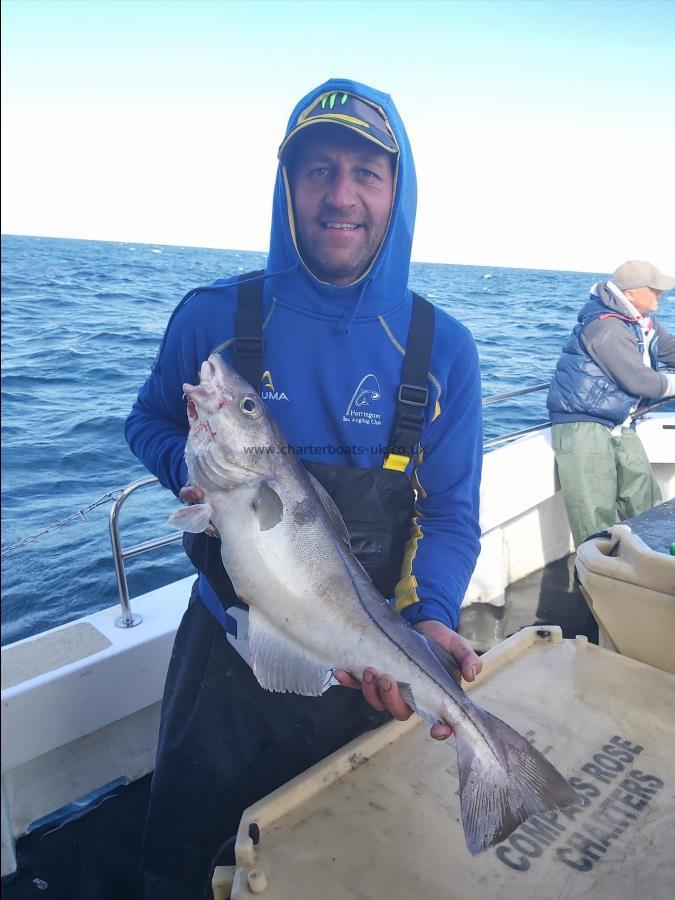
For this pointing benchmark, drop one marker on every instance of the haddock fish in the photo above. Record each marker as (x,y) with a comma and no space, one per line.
(313,608)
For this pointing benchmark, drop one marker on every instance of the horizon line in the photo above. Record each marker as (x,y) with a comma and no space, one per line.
(427,262)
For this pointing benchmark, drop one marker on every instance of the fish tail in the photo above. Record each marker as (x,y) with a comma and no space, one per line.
(503,781)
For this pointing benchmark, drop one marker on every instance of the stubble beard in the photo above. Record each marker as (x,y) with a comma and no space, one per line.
(331,271)
(340,272)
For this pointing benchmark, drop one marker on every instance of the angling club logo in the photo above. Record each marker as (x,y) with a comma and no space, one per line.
(360,408)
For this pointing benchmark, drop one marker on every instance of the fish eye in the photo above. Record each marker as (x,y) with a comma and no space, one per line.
(250,406)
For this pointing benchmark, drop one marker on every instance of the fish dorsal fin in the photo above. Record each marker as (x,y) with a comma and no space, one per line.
(268,507)
(194,518)
(331,510)
(281,664)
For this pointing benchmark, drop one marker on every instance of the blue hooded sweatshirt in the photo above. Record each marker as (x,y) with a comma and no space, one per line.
(333,360)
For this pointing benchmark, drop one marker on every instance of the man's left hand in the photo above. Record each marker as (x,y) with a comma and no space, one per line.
(382,692)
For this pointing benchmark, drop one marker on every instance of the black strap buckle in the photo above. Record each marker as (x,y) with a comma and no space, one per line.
(413,395)
(249,346)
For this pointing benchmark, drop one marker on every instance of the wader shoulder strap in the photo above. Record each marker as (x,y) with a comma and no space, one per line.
(413,392)
(249,344)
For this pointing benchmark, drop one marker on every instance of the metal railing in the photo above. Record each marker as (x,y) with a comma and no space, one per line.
(495,398)
(129,619)
(638,414)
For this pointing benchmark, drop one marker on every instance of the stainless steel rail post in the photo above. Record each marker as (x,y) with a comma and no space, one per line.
(129,619)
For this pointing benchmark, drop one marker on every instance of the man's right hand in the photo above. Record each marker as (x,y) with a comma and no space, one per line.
(193,494)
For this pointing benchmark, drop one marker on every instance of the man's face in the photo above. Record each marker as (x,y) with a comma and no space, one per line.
(644,299)
(342,188)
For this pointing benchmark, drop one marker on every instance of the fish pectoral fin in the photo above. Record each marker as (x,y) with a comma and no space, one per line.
(268,507)
(406,692)
(331,510)
(281,664)
(193,518)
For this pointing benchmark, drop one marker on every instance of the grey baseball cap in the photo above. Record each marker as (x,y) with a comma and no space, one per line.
(637,273)
(362,116)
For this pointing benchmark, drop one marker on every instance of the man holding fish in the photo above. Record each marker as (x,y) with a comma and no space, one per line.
(352,429)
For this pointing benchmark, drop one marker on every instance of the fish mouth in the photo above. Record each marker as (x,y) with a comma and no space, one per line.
(209,395)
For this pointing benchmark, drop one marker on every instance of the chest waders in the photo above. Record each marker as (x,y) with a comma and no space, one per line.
(224,742)
(376,504)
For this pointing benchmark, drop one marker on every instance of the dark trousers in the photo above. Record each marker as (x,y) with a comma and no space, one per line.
(224,743)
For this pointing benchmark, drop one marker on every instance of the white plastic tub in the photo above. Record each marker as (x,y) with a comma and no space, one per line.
(379,820)
(630,589)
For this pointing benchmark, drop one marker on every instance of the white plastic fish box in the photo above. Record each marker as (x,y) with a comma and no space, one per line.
(630,589)
(380,819)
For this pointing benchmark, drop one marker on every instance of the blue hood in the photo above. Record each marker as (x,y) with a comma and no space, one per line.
(385,285)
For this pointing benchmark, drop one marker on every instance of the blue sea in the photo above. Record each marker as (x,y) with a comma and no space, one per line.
(81,324)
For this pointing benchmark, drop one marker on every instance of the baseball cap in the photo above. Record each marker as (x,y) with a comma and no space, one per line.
(637,273)
(346,109)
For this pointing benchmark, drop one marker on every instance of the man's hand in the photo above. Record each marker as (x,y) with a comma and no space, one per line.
(382,692)
(193,494)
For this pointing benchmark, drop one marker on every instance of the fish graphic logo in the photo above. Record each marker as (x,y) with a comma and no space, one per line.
(367,391)
(267,389)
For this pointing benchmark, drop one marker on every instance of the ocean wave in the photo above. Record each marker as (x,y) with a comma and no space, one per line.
(82,322)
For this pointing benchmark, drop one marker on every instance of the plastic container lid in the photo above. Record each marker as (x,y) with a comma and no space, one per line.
(379,819)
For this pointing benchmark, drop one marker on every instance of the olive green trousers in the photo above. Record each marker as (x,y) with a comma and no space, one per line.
(604,477)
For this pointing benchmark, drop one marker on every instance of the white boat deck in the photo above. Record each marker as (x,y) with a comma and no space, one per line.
(81,702)
(98,855)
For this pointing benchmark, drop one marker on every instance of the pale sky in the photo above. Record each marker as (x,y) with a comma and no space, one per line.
(543,132)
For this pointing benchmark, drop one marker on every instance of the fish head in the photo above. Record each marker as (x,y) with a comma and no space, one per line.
(232,438)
